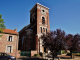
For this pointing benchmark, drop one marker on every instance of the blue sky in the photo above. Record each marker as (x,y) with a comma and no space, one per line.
(63,14)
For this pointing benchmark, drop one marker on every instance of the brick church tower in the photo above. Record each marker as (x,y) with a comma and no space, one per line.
(39,24)
(39,16)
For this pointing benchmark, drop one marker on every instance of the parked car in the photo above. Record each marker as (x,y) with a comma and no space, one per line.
(5,56)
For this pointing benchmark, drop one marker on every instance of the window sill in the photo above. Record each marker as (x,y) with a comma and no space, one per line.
(41,33)
(9,41)
(9,53)
(43,24)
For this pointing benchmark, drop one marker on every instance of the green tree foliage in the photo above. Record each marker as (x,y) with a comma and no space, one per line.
(2,26)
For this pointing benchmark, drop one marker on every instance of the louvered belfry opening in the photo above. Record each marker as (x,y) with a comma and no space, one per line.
(43,20)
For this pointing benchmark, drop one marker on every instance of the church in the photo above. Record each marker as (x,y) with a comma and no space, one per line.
(30,34)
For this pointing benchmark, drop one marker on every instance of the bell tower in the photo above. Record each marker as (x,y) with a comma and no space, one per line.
(39,18)
(39,15)
(42,19)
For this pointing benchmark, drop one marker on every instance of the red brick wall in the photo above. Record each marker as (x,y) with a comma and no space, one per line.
(4,42)
(35,27)
(36,42)
(27,41)
(39,19)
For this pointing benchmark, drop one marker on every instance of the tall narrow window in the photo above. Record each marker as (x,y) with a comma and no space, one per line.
(10,38)
(41,29)
(46,30)
(45,49)
(43,20)
(22,40)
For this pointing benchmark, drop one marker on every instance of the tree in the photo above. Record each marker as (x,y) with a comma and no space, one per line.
(73,42)
(2,26)
(54,41)
(76,42)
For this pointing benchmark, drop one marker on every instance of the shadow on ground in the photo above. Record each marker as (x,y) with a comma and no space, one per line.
(65,58)
(31,59)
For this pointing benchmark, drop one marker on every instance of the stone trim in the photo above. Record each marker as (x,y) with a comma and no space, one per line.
(43,13)
(43,27)
(12,38)
(8,38)
(38,7)
(6,48)
(43,9)
(43,6)
(42,24)
(43,16)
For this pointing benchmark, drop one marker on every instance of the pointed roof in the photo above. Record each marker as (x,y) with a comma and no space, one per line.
(24,28)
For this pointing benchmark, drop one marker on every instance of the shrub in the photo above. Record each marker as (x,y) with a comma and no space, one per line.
(63,52)
(69,54)
(1,36)
(78,55)
(37,55)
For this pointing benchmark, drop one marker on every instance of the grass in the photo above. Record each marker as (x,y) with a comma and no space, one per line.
(78,55)
(69,54)
(36,55)
(63,52)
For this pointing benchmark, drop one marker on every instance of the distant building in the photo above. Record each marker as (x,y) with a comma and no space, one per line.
(39,24)
(9,42)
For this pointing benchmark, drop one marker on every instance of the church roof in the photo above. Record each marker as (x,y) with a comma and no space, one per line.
(26,27)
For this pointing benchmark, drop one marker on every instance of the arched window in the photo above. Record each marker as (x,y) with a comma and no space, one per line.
(43,20)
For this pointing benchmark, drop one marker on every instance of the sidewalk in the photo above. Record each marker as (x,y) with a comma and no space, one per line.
(33,58)
(71,59)
(45,59)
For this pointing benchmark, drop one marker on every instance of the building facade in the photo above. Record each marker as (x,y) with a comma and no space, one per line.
(9,42)
(30,34)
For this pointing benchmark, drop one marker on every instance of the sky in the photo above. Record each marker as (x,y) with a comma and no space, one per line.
(63,14)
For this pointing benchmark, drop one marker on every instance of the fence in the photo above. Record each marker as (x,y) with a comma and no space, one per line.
(25,53)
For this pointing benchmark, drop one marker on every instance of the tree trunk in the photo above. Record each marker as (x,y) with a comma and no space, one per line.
(53,55)
(71,53)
